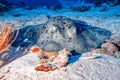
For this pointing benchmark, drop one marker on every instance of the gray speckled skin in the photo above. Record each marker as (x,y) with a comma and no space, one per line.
(28,35)
(61,32)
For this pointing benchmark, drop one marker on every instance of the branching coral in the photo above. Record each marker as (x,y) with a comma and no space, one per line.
(7,37)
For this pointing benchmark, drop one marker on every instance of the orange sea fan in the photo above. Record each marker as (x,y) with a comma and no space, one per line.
(7,37)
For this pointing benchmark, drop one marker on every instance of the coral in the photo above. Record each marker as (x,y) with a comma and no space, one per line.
(44,67)
(51,60)
(109,47)
(114,40)
(62,58)
(7,37)
(34,49)
(42,54)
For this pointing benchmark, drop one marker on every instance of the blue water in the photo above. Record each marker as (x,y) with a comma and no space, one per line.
(10,4)
(54,3)
(46,2)
(33,2)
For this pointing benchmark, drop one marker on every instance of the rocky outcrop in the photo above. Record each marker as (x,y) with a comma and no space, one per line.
(61,32)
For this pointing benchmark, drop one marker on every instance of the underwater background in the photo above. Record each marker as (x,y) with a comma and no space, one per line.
(84,27)
(55,3)
(46,2)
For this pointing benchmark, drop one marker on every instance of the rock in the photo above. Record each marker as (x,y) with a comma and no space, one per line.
(104,7)
(98,3)
(111,3)
(81,8)
(61,32)
(29,7)
(115,39)
(57,7)
(17,14)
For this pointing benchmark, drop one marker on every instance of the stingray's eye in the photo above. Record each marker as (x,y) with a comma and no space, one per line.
(34,49)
